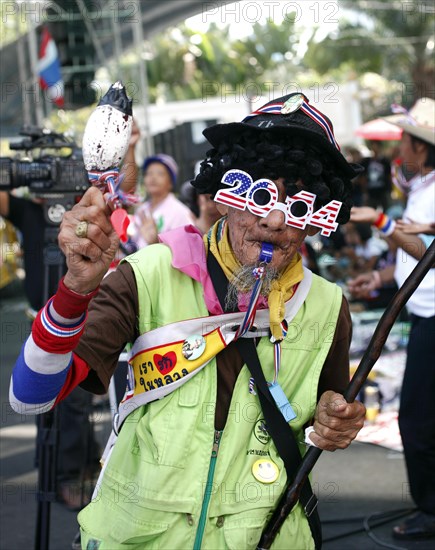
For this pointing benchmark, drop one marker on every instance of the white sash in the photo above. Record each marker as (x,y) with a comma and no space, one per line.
(202,325)
(176,331)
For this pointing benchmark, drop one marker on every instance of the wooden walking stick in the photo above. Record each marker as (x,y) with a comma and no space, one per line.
(293,490)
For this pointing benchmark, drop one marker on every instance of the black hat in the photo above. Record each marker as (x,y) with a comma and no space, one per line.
(289,115)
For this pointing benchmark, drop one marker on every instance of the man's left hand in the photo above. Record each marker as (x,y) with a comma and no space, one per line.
(336,422)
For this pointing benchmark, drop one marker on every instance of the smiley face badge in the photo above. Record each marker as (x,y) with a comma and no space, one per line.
(265,471)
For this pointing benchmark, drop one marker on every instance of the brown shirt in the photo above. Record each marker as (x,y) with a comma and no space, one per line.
(113,322)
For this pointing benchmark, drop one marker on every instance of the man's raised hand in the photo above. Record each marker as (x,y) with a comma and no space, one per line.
(89,256)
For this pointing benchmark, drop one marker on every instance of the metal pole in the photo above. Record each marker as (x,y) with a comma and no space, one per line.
(33,49)
(27,116)
(143,88)
(92,33)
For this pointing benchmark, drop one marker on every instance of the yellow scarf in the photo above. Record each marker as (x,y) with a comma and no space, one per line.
(282,288)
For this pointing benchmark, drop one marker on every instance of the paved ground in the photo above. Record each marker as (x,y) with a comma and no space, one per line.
(361,485)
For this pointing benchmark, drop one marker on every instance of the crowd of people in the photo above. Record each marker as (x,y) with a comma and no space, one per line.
(251,271)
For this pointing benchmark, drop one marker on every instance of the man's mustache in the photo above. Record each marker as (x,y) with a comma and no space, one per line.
(243,282)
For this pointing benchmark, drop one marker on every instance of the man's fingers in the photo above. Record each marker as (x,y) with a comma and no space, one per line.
(336,422)
(329,440)
(82,249)
(341,410)
(93,208)
(98,237)
(93,196)
(93,215)
(332,403)
(98,241)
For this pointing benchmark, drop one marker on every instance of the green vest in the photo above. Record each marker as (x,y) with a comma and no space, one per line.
(153,489)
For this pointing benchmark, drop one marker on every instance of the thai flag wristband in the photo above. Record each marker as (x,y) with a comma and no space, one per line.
(385,224)
(60,323)
(69,304)
(53,336)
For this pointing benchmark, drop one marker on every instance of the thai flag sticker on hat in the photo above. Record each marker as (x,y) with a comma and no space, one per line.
(296,102)
(292,104)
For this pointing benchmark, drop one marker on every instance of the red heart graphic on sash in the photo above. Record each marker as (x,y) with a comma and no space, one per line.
(165,363)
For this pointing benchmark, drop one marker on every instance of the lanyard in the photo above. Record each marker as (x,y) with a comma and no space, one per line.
(275,389)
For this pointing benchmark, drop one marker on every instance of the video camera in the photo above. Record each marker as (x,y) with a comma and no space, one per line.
(57,179)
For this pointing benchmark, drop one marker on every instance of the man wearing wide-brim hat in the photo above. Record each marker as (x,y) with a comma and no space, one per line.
(417,406)
(418,121)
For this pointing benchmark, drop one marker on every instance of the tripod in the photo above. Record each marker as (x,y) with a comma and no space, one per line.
(47,423)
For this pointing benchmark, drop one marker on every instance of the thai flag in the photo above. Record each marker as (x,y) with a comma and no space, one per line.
(49,73)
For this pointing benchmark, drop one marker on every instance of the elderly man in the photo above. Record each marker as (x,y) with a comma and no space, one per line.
(233,342)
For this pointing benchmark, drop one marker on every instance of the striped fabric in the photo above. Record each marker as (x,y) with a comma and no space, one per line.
(44,362)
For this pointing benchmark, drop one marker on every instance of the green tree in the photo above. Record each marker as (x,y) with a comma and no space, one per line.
(186,64)
(393,39)
(270,54)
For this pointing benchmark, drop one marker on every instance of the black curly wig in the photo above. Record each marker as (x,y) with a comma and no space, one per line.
(274,155)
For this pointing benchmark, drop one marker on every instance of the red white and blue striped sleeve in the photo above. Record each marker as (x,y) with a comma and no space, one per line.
(46,368)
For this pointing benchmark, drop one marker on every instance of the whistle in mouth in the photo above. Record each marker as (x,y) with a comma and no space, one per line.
(266,253)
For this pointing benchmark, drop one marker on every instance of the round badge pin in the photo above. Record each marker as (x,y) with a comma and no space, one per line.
(292,104)
(193,347)
(265,471)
